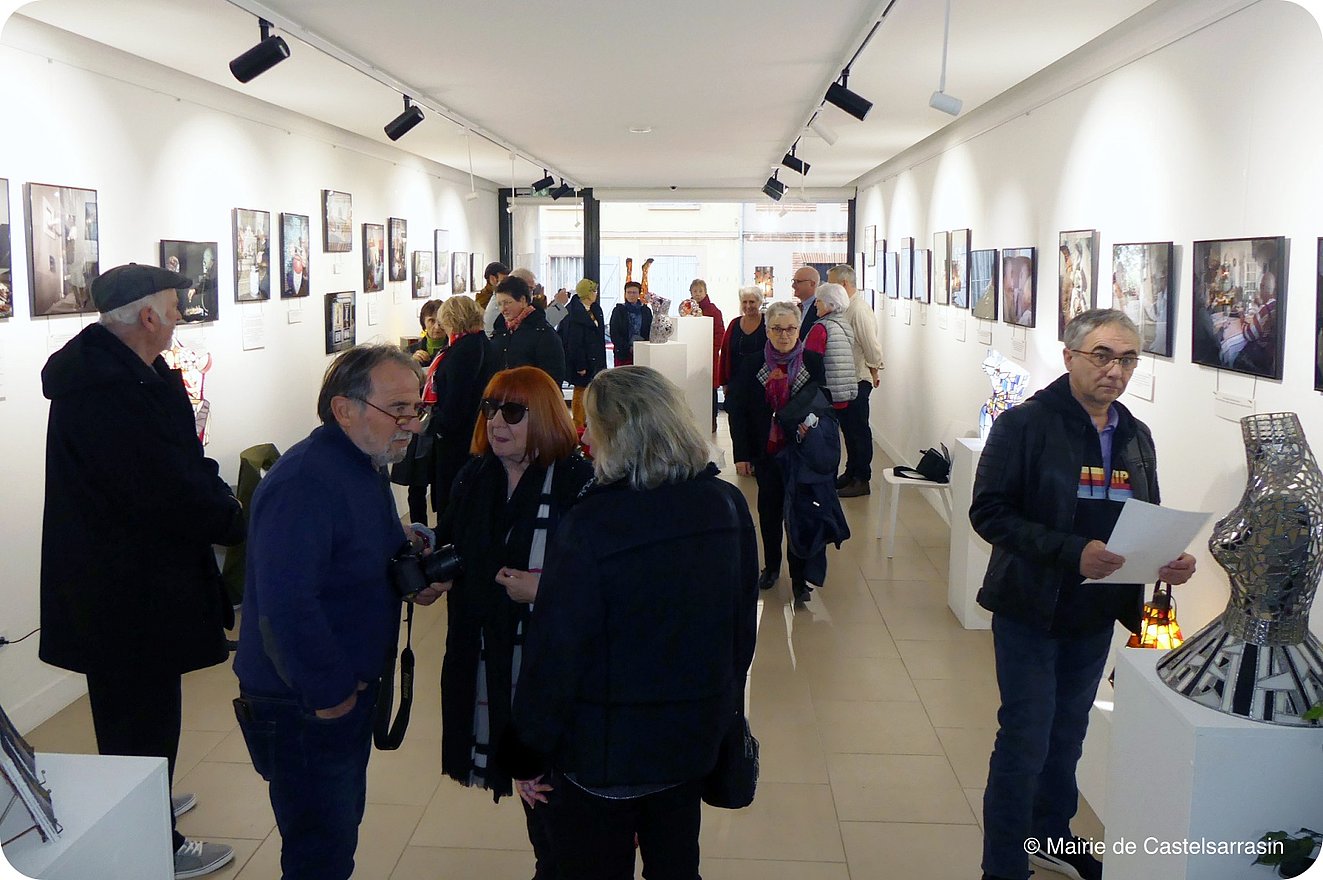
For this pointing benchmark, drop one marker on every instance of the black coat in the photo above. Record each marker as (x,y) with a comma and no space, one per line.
(751,415)
(621,339)
(128,575)
(458,381)
(584,333)
(533,344)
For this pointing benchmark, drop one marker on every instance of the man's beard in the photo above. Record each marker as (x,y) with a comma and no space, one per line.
(391,455)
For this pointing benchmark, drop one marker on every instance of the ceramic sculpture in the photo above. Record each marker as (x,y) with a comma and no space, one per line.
(1010,386)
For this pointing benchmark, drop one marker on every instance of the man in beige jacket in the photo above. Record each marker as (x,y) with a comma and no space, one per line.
(867,363)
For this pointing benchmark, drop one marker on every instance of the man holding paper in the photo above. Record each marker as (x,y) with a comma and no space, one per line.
(1051,482)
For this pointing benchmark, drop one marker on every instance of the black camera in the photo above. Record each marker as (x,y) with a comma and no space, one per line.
(410,571)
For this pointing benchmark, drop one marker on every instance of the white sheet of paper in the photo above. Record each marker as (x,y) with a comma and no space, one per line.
(1149,537)
(252,329)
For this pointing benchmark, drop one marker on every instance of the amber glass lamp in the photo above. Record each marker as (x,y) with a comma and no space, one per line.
(1158,628)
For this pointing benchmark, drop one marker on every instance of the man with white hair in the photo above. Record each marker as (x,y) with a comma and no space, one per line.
(867,362)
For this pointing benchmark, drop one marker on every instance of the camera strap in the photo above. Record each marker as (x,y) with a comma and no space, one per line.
(387,734)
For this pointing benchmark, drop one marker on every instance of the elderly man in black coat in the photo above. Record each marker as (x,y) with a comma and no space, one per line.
(130,592)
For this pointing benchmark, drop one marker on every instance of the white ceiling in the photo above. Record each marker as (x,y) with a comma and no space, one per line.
(725,85)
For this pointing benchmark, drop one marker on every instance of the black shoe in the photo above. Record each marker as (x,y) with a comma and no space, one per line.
(801,591)
(767,579)
(844,480)
(1072,858)
(854,489)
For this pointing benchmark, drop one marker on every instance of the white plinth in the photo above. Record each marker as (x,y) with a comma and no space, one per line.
(969,553)
(1182,772)
(687,361)
(115,812)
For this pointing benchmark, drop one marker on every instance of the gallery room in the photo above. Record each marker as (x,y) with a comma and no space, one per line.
(988,171)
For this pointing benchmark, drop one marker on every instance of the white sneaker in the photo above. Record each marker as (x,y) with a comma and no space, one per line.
(182,803)
(196,858)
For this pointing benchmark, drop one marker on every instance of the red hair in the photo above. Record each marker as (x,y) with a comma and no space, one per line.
(551,435)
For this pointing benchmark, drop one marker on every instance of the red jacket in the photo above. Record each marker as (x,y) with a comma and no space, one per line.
(709,308)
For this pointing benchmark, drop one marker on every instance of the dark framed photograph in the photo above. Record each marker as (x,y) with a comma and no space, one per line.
(1019,289)
(891,278)
(983,278)
(905,268)
(441,257)
(252,255)
(1240,305)
(340,324)
(374,257)
(477,263)
(337,222)
(6,255)
(294,232)
(1077,275)
(397,245)
(941,268)
(922,275)
(959,269)
(1318,324)
(63,248)
(196,259)
(459,272)
(1141,287)
(422,274)
(870,243)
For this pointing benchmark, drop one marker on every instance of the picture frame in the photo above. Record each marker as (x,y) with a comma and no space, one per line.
(441,257)
(1141,287)
(905,268)
(252,255)
(1019,287)
(397,245)
(860,275)
(891,278)
(959,269)
(6,255)
(295,249)
(477,263)
(983,278)
(764,278)
(374,257)
(422,274)
(337,222)
(459,272)
(941,268)
(340,321)
(63,248)
(1239,312)
(923,275)
(880,264)
(200,303)
(870,243)
(1077,275)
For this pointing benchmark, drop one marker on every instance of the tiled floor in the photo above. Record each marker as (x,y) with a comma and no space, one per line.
(875,710)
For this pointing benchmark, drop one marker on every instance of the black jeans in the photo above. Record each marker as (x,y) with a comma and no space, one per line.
(771,515)
(138,713)
(858,435)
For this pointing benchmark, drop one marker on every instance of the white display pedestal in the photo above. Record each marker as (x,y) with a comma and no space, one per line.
(1182,772)
(115,812)
(687,361)
(969,553)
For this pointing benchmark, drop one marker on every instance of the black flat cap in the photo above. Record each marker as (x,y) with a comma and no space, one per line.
(126,284)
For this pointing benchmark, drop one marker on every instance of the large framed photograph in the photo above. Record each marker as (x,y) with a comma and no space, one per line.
(339,321)
(337,222)
(252,255)
(922,275)
(441,257)
(959,269)
(891,278)
(1141,287)
(1240,305)
(906,268)
(374,257)
(196,259)
(1019,291)
(1077,275)
(982,285)
(478,263)
(941,268)
(294,232)
(397,245)
(422,274)
(63,248)
(6,255)
(459,272)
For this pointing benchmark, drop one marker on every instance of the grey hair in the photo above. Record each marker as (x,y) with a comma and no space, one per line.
(642,429)
(834,295)
(350,374)
(129,312)
(782,307)
(813,273)
(752,291)
(525,274)
(1085,323)
(843,274)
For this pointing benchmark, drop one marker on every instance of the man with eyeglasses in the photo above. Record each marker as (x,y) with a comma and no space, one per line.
(1051,482)
(320,618)
(804,285)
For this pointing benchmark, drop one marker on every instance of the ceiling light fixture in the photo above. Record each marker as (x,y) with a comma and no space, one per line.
(818,127)
(473,190)
(851,102)
(262,57)
(547,182)
(793,162)
(562,191)
(640,129)
(940,100)
(774,188)
(402,124)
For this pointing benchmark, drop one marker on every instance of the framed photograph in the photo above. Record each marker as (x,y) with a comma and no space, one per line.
(959,269)
(1240,305)
(983,284)
(459,272)
(6,255)
(196,259)
(891,277)
(763,277)
(337,222)
(374,257)
(1077,275)
(941,268)
(477,262)
(880,264)
(422,274)
(1141,287)
(397,245)
(294,248)
(860,275)
(339,321)
(870,244)
(1318,324)
(923,275)
(906,268)
(252,255)
(63,248)
(441,257)
(1019,294)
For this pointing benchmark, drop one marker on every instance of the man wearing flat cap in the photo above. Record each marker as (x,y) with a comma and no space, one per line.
(130,592)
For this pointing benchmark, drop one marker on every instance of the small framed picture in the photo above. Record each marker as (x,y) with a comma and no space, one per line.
(63,248)
(199,303)
(374,257)
(397,245)
(459,272)
(337,222)
(294,250)
(1240,305)
(441,256)
(422,274)
(1077,275)
(252,255)
(477,262)
(340,324)
(941,268)
(1019,293)
(891,277)
(923,275)
(905,269)
(1141,287)
(6,255)
(958,269)
(982,285)
(870,243)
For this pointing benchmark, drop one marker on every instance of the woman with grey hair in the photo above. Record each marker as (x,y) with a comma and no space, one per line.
(641,640)
(746,337)
(833,337)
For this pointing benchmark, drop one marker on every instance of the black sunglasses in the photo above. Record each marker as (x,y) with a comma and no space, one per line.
(513,413)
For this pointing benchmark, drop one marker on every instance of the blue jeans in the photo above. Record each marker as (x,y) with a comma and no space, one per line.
(317,771)
(1047,686)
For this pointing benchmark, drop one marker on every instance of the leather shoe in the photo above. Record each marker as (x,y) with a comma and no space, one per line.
(767,579)
(844,480)
(854,489)
(801,591)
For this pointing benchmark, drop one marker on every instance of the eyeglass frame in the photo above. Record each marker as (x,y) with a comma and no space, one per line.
(782,330)
(489,408)
(420,412)
(1109,359)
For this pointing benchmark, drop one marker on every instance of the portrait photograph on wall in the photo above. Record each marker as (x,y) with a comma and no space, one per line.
(905,268)
(337,222)
(294,231)
(6,255)
(441,257)
(422,274)
(252,255)
(959,269)
(339,321)
(63,250)
(397,245)
(891,278)
(941,268)
(763,278)
(983,284)
(459,272)
(1141,287)
(923,275)
(374,257)
(1077,275)
(477,262)
(196,259)
(1240,305)
(1019,296)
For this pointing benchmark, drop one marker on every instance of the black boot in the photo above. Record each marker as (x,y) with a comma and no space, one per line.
(767,579)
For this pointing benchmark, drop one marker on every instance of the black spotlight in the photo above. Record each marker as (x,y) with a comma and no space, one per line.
(774,189)
(848,101)
(262,57)
(402,124)
(562,191)
(795,164)
(547,182)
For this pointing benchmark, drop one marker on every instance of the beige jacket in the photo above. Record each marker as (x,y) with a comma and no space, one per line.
(867,348)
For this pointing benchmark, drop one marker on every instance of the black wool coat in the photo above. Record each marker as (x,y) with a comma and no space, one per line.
(533,344)
(584,333)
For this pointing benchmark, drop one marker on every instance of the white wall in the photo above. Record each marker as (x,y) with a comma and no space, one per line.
(170,156)
(1213,136)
